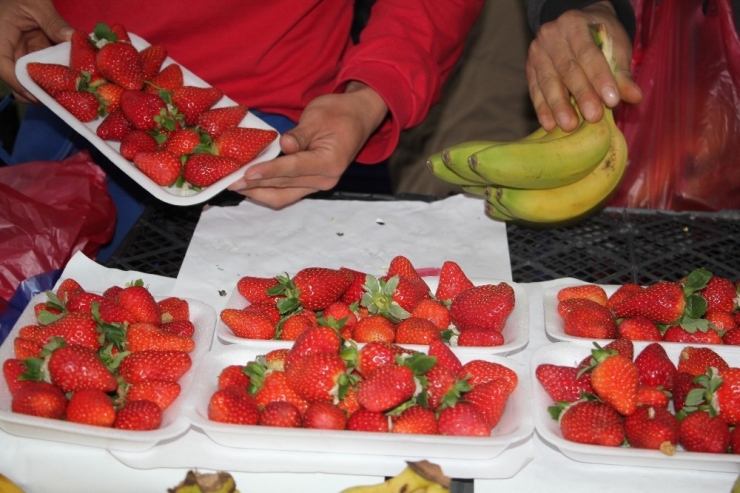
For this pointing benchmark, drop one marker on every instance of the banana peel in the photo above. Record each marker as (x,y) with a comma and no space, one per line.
(196,482)
(418,477)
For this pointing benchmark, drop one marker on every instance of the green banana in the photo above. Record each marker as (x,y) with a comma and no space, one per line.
(441,171)
(456,159)
(479,190)
(573,200)
(497,211)
(417,477)
(545,162)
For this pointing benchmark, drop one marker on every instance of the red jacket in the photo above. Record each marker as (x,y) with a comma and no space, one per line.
(276,56)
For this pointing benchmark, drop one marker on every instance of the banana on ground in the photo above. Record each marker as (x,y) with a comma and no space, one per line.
(417,477)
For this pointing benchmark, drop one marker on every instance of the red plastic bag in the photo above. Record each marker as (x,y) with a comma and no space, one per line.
(684,138)
(49,210)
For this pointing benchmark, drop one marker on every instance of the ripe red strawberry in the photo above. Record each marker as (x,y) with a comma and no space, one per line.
(655,367)
(318,287)
(141,415)
(39,399)
(563,383)
(349,403)
(109,96)
(441,388)
(489,399)
(233,375)
(401,266)
(248,324)
(25,348)
(727,396)
(152,58)
(592,292)
(408,293)
(700,432)
(452,281)
(434,311)
(74,328)
(697,360)
(590,320)
(735,440)
(191,101)
(216,120)
(163,167)
(683,383)
(375,328)
(142,336)
(415,330)
(143,109)
(354,291)
(233,405)
(373,355)
(622,293)
(180,328)
(653,428)
(120,32)
(294,325)
(720,294)
(160,392)
(243,143)
(639,328)
(182,141)
(202,170)
(266,308)
(73,368)
(82,302)
(615,380)
(483,307)
(53,78)
(676,333)
(720,321)
(137,141)
(445,356)
(593,423)
(478,371)
(365,420)
(168,79)
(174,309)
(114,127)
(386,388)
(120,63)
(342,314)
(318,376)
(67,288)
(254,289)
(137,299)
(275,387)
(82,54)
(463,419)
(567,306)
(82,104)
(662,302)
(114,313)
(30,332)
(275,359)
(91,407)
(732,337)
(480,337)
(318,339)
(652,396)
(281,414)
(415,420)
(154,365)
(12,369)
(324,416)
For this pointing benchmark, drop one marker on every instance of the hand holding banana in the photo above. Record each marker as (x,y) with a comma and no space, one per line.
(544,177)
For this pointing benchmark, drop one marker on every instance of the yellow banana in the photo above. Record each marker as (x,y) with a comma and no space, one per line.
(479,190)
(496,210)
(8,486)
(570,201)
(416,477)
(441,171)
(456,159)
(196,482)
(544,162)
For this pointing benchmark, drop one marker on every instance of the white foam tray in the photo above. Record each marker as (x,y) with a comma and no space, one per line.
(173,423)
(60,54)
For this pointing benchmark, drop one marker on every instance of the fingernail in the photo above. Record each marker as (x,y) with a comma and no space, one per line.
(252,176)
(66,32)
(563,119)
(589,111)
(610,96)
(237,185)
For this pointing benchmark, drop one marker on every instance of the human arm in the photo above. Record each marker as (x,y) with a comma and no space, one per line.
(27,26)
(563,60)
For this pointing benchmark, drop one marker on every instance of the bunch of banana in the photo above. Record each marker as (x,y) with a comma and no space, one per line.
(8,486)
(197,482)
(546,177)
(417,477)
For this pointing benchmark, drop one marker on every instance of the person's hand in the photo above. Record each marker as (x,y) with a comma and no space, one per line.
(330,133)
(563,60)
(27,26)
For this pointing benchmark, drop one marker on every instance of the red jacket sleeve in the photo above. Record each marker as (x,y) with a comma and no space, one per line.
(405,53)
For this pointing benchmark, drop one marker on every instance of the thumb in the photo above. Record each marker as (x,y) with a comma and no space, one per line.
(295,140)
(54,26)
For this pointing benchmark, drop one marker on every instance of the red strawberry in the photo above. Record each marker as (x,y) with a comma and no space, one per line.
(82,302)
(480,337)
(415,330)
(639,328)
(324,416)
(163,167)
(137,141)
(152,58)
(354,291)
(416,420)
(266,308)
(434,311)
(120,32)
(114,313)
(248,324)
(254,289)
(615,380)
(120,63)
(91,407)
(12,369)
(109,96)
(349,403)
(137,299)
(73,368)
(720,294)
(318,287)
(191,101)
(39,399)
(375,328)
(408,293)
(653,428)
(275,387)
(452,281)
(168,79)
(53,78)
(652,396)
(318,339)
(295,325)
(233,405)
(82,54)
(243,143)
(563,383)
(593,423)
(735,440)
(114,127)
(233,375)
(402,267)
(317,377)
(282,414)
(162,393)
(676,333)
(174,309)
(375,354)
(141,415)
(683,383)
(342,314)
(727,396)
(83,105)
(478,371)
(700,432)
(445,356)
(720,321)
(697,360)
(442,389)
(590,320)
(154,365)
(25,348)
(67,288)
(592,292)
(655,367)
(275,359)
(181,328)
(622,293)
(489,399)
(387,387)
(365,420)
(463,419)
(483,307)
(202,170)
(142,336)
(732,337)
(662,302)
(74,328)
(183,141)
(216,120)
(143,109)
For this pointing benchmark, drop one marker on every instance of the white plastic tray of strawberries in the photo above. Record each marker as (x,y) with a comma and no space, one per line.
(172,195)
(516,331)
(571,354)
(514,429)
(173,423)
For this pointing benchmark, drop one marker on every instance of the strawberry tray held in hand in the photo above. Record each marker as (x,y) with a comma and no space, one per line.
(183,196)
(173,424)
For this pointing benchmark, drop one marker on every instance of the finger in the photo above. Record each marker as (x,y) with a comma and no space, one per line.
(277,198)
(544,115)
(54,26)
(553,87)
(303,169)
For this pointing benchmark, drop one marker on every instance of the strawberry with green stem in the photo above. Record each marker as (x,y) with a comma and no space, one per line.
(615,380)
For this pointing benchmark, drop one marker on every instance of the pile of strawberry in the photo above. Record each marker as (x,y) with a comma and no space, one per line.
(700,309)
(112,359)
(323,383)
(169,130)
(398,307)
(616,398)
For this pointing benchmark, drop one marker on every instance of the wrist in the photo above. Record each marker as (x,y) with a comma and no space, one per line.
(369,104)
